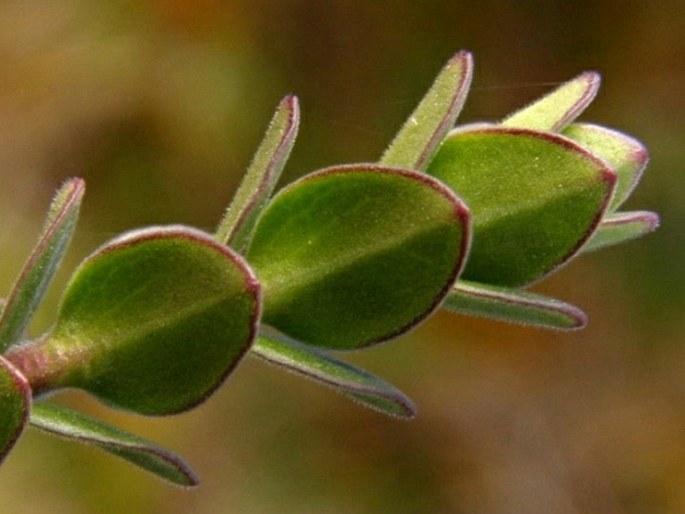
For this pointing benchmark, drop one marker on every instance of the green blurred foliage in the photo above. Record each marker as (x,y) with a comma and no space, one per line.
(159,106)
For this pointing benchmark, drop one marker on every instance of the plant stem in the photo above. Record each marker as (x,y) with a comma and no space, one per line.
(42,363)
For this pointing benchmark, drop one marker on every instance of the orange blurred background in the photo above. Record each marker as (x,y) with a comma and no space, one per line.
(159,106)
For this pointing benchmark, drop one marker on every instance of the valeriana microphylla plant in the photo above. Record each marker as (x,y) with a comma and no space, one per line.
(346,257)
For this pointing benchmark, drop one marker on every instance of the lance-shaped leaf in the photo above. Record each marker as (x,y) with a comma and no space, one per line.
(625,154)
(535,198)
(73,425)
(42,264)
(514,306)
(15,404)
(152,322)
(560,107)
(353,382)
(253,194)
(620,227)
(422,133)
(355,255)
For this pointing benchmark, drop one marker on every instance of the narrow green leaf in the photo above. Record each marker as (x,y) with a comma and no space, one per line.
(73,425)
(535,198)
(15,404)
(235,229)
(35,277)
(153,322)
(625,154)
(560,107)
(514,306)
(354,255)
(619,227)
(353,382)
(422,133)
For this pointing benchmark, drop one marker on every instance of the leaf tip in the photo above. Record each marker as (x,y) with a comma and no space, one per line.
(76,185)
(188,478)
(593,79)
(291,105)
(178,472)
(71,192)
(410,410)
(590,82)
(392,403)
(557,109)
(652,220)
(464,58)
(291,102)
(648,220)
(578,319)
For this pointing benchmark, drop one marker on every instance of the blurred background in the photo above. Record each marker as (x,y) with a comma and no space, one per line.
(160,104)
